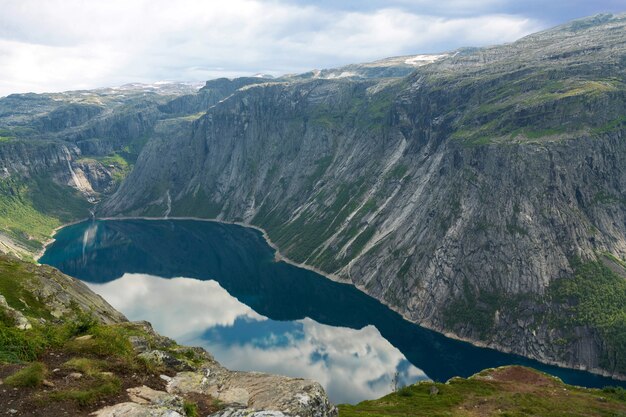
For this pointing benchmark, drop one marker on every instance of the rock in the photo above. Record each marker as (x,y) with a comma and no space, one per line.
(75,375)
(130,409)
(48,384)
(159,357)
(140,344)
(433,390)
(147,395)
(467,200)
(254,391)
(21,322)
(85,337)
(238,412)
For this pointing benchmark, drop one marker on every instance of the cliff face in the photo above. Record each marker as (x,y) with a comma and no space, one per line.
(61,152)
(463,195)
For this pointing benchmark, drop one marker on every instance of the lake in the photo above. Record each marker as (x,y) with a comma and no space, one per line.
(218,286)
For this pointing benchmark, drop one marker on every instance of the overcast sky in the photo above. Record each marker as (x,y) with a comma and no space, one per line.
(55,45)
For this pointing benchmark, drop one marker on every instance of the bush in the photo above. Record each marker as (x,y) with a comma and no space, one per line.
(191,409)
(30,376)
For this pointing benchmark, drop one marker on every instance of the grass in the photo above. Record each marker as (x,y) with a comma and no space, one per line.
(87,366)
(191,409)
(30,209)
(120,166)
(490,394)
(30,376)
(595,296)
(99,388)
(523,108)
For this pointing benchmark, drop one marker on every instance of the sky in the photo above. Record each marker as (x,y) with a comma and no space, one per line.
(57,45)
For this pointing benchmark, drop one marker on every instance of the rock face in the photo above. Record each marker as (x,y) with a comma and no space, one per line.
(48,292)
(246,393)
(467,186)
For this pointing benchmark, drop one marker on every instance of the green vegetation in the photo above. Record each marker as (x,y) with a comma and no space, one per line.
(30,376)
(595,296)
(397,172)
(306,233)
(523,108)
(87,366)
(474,309)
(507,391)
(98,388)
(31,209)
(198,205)
(191,409)
(120,166)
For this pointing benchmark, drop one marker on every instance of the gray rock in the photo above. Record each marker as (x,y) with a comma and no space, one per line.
(449,185)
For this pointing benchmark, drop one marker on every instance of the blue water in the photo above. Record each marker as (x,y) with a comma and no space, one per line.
(218,286)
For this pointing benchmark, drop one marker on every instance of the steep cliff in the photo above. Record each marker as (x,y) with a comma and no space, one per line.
(61,152)
(483,195)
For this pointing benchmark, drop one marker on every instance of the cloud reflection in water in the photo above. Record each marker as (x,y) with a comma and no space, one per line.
(351,364)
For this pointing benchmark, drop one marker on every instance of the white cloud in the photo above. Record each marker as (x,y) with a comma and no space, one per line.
(66,44)
(352,364)
(176,307)
(357,364)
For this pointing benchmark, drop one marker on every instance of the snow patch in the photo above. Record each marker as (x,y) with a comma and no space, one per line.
(419,60)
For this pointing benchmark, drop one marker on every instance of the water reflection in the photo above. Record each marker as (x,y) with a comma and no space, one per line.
(243,264)
(352,364)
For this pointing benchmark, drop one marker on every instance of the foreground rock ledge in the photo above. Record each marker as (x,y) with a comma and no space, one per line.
(250,394)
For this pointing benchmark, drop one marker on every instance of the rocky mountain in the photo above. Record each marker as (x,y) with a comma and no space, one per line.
(481,195)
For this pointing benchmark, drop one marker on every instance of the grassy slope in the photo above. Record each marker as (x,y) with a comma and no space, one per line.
(30,209)
(596,297)
(105,357)
(508,391)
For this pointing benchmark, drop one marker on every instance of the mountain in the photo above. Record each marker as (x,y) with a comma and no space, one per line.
(481,195)
(479,192)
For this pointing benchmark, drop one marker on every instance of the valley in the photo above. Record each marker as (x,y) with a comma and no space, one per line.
(477,194)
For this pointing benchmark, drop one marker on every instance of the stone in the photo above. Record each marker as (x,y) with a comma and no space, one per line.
(255,391)
(75,375)
(130,409)
(140,344)
(160,357)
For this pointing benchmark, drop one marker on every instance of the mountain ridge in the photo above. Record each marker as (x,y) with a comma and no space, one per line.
(338,172)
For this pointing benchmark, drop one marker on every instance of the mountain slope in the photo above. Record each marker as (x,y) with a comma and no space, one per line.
(468,195)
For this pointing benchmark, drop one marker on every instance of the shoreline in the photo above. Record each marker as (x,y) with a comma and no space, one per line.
(51,239)
(279,257)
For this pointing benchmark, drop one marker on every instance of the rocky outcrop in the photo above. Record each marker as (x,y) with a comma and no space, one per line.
(35,295)
(468,186)
(49,293)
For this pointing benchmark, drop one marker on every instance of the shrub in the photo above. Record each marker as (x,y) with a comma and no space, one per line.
(30,376)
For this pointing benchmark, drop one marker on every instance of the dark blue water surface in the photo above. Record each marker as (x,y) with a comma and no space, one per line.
(218,286)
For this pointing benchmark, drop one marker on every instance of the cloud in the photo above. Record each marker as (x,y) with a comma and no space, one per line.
(68,44)
(352,364)
(176,307)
